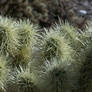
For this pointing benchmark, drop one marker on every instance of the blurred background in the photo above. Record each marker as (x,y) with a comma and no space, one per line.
(46,12)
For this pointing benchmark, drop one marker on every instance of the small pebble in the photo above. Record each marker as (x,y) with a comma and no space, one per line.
(82,12)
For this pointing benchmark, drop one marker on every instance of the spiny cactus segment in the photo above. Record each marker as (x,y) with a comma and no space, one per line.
(57,60)
(4,73)
(8,36)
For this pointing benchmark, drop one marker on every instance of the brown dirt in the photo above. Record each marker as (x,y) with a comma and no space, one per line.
(46,12)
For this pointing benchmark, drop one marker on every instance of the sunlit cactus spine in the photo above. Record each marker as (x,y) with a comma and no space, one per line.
(4,73)
(55,76)
(86,35)
(27,37)
(81,42)
(72,34)
(27,32)
(20,81)
(8,37)
(64,50)
(53,44)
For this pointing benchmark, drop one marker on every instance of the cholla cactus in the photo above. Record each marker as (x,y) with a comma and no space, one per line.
(54,76)
(70,48)
(4,73)
(21,81)
(27,34)
(72,34)
(77,42)
(53,44)
(8,36)
(85,81)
